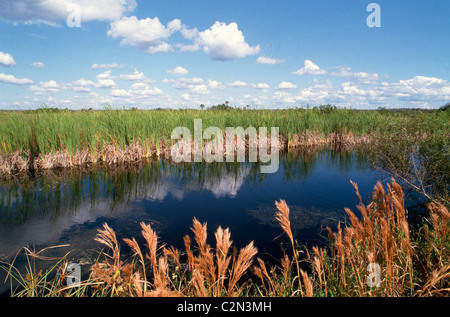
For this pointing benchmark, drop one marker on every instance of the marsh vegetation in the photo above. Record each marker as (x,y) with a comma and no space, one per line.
(410,145)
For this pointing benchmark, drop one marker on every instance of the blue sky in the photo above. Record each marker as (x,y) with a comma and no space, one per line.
(183,53)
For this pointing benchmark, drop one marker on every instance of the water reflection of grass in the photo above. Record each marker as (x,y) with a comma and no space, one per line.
(302,218)
(57,192)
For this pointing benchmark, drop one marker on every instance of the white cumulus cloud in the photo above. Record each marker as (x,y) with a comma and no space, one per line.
(344,71)
(214,84)
(269,60)
(179,70)
(419,88)
(184,83)
(105,80)
(37,64)
(11,79)
(82,85)
(309,68)
(137,92)
(224,42)
(195,85)
(147,34)
(135,76)
(200,90)
(186,97)
(46,87)
(106,66)
(6,59)
(262,86)
(285,85)
(283,97)
(237,83)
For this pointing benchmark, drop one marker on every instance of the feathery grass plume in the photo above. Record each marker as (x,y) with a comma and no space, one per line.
(257,271)
(438,284)
(241,265)
(138,284)
(440,217)
(107,237)
(282,216)
(357,226)
(189,253)
(308,284)
(198,280)
(174,254)
(161,275)
(319,269)
(340,253)
(435,252)
(261,272)
(383,236)
(204,262)
(132,243)
(364,228)
(152,240)
(200,234)
(114,278)
(223,244)
(209,276)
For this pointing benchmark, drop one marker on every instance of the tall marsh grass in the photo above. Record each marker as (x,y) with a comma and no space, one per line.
(413,261)
(45,138)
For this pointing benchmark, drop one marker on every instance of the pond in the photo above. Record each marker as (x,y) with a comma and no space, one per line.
(67,207)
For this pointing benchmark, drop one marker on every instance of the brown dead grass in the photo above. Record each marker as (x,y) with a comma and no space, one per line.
(212,272)
(21,162)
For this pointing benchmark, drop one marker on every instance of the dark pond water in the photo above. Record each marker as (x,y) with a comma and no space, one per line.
(69,207)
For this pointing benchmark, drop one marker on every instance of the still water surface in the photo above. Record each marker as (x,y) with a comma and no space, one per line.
(70,207)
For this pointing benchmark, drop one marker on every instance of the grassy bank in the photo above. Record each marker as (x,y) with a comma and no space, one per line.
(408,261)
(51,138)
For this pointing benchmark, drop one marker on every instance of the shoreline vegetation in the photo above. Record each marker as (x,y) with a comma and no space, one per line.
(49,138)
(27,162)
(409,261)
